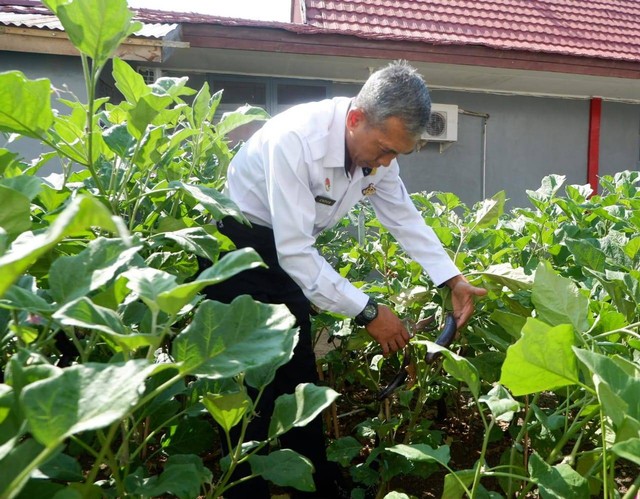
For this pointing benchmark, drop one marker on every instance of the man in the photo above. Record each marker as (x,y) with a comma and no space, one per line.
(300,174)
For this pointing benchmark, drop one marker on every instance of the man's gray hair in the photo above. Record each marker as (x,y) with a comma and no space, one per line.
(396,90)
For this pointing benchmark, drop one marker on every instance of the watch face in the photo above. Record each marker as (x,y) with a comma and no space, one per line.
(370,312)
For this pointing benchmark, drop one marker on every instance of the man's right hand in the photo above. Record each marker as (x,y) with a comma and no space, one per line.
(388,330)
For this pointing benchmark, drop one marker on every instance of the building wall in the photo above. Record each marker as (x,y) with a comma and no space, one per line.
(65,74)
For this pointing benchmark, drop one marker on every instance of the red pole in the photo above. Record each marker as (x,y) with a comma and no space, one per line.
(593,159)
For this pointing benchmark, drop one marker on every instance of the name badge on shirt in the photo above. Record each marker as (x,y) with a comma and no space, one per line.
(370,190)
(325,200)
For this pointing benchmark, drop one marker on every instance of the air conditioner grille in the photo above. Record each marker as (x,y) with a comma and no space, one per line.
(437,124)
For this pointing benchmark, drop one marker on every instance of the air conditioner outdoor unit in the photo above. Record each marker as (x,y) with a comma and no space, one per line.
(443,124)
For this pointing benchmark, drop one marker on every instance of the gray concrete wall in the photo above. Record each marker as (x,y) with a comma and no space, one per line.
(65,74)
(619,138)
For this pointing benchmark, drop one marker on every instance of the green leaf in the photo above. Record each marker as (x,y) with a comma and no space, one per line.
(511,323)
(422,453)
(25,184)
(145,112)
(27,367)
(92,268)
(587,254)
(549,187)
(504,274)
(149,283)
(223,340)
(285,468)
(263,375)
(128,81)
(15,463)
(455,483)
(83,212)
(617,384)
(462,370)
(194,240)
(83,397)
(86,314)
(228,408)
(62,467)
(629,449)
(560,481)
(173,87)
(558,300)
(8,159)
(632,248)
(299,408)
(119,140)
(182,477)
(15,212)
(200,108)
(216,203)
(501,404)
(241,116)
(490,210)
(95,27)
(542,359)
(6,402)
(344,450)
(192,435)
(172,300)
(25,105)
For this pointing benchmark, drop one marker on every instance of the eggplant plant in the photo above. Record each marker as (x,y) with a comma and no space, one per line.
(114,368)
(550,359)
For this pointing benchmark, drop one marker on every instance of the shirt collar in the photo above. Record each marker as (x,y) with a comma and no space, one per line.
(337,134)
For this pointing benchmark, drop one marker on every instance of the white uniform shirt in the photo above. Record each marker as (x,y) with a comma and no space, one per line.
(297,157)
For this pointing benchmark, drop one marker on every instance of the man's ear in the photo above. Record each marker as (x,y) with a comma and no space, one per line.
(355,117)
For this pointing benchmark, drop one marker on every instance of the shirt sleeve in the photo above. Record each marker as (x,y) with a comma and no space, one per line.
(293,211)
(396,211)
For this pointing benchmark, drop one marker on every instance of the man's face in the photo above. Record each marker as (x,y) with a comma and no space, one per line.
(372,147)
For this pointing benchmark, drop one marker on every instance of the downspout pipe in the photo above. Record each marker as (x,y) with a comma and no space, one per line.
(485,118)
(593,154)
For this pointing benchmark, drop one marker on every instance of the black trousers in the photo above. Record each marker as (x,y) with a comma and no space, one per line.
(273,285)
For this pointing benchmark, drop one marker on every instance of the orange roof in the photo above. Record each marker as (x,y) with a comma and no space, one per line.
(607,29)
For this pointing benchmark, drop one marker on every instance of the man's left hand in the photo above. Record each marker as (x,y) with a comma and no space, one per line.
(462,298)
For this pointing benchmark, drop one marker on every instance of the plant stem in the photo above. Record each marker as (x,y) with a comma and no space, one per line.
(90,77)
(483,452)
(91,477)
(633,489)
(527,416)
(605,475)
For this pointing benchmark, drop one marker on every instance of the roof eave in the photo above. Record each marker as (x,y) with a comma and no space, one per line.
(56,42)
(310,41)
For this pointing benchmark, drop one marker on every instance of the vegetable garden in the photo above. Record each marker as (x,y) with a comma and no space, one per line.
(115,370)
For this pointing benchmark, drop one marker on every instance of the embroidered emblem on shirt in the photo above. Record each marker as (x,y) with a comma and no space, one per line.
(324,200)
(327,184)
(369,190)
(366,171)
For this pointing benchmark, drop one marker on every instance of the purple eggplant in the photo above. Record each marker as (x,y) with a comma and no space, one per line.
(445,338)
(398,379)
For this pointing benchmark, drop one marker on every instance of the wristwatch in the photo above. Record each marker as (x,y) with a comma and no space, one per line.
(369,313)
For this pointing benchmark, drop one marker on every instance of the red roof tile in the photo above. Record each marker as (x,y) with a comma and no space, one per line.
(607,29)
